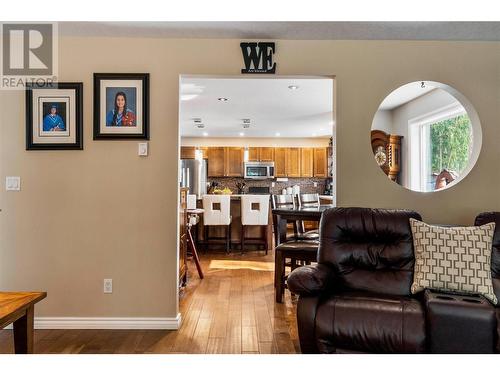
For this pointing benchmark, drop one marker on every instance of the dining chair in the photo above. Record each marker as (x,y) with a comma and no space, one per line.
(217,212)
(254,212)
(285,201)
(308,200)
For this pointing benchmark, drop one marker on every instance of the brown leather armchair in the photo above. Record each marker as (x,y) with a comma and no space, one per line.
(484,218)
(357,298)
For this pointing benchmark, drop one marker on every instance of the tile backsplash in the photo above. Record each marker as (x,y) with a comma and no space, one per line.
(306,184)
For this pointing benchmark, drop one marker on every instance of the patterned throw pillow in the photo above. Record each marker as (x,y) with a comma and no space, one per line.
(454,259)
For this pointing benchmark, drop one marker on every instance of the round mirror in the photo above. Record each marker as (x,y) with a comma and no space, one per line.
(426,136)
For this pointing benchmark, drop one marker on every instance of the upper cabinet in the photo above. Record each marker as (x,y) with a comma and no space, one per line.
(288,162)
(280,162)
(225,161)
(234,161)
(216,162)
(293,162)
(189,152)
(260,154)
(306,162)
(266,153)
(321,162)
(254,154)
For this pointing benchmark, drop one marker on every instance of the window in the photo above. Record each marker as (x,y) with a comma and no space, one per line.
(440,146)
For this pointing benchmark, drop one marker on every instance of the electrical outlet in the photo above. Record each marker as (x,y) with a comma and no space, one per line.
(315,184)
(108,285)
(273,184)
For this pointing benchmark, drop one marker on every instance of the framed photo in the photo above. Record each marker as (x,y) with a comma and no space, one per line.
(121,106)
(54,117)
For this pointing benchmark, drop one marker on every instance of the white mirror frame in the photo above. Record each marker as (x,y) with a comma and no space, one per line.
(413,181)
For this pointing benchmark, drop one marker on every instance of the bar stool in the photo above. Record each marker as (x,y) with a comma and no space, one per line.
(254,212)
(191,201)
(217,212)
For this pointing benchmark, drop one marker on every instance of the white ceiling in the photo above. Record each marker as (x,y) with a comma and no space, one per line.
(485,31)
(268,102)
(404,94)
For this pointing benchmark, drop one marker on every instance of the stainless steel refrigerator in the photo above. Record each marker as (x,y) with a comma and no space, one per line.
(194,176)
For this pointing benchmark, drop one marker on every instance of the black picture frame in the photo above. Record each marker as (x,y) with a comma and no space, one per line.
(98,133)
(33,144)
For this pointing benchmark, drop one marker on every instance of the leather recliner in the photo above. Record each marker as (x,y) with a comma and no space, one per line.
(357,297)
(481,219)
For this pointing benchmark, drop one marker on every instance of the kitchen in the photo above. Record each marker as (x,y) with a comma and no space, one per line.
(255,137)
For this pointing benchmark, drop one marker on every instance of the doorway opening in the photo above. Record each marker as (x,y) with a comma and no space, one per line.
(242,141)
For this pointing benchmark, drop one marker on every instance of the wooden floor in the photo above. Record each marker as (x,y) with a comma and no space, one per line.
(231,311)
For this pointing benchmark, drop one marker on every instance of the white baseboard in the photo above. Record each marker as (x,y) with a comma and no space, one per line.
(106,323)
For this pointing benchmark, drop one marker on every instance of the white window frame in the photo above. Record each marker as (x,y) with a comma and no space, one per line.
(419,147)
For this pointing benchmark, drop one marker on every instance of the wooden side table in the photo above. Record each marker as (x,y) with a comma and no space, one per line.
(19,308)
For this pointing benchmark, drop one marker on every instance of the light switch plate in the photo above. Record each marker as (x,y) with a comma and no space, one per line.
(12,183)
(143,149)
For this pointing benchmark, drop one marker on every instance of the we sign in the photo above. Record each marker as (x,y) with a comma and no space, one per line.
(258,57)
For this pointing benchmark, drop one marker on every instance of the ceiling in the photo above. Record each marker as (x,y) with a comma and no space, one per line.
(404,94)
(480,31)
(274,110)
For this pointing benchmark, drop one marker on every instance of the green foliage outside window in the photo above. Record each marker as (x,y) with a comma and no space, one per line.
(451,142)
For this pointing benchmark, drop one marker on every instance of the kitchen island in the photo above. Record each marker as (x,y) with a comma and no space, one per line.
(262,233)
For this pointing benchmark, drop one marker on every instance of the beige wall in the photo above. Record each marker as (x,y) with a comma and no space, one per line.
(104,212)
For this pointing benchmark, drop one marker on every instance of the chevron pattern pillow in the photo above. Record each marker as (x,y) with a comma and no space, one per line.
(453,259)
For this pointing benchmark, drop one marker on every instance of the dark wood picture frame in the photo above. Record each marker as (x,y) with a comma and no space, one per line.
(78,144)
(144,78)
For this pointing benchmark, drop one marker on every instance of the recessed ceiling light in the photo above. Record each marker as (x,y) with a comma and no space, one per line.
(205,134)
(222,99)
(278,134)
(293,87)
(242,134)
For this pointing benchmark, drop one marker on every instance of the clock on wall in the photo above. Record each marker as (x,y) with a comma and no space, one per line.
(387,152)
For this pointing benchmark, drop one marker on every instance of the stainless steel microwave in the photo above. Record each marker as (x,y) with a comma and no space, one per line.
(259,170)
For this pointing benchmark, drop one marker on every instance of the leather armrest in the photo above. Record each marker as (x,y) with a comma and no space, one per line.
(310,280)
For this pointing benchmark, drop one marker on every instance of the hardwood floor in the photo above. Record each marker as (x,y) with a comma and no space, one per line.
(231,311)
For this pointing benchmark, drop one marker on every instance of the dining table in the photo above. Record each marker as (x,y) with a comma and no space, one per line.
(19,308)
(283,215)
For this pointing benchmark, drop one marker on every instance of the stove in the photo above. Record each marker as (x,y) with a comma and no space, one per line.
(259,190)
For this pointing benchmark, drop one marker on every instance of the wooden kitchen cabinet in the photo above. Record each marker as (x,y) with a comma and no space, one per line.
(321,162)
(216,165)
(280,162)
(293,162)
(266,154)
(187,152)
(234,161)
(306,162)
(254,154)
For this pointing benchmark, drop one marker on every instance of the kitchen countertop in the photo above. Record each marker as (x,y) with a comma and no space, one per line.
(326,197)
